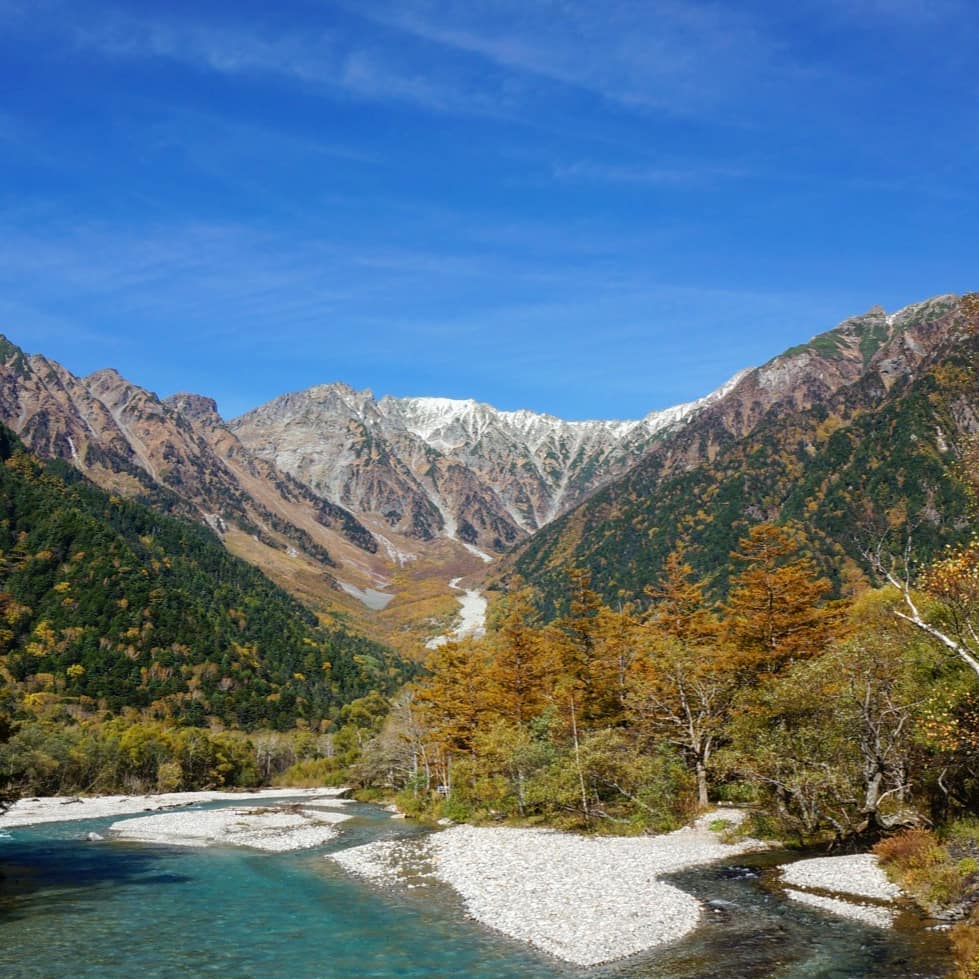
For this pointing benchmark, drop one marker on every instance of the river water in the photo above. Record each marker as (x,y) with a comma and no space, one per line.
(111,909)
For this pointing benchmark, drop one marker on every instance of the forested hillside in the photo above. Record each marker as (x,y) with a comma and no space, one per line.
(836,718)
(884,451)
(841,722)
(109,605)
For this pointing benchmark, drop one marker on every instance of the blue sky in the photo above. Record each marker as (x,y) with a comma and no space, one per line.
(590,209)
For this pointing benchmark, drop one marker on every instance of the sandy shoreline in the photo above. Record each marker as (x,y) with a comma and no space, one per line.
(585,900)
(53,809)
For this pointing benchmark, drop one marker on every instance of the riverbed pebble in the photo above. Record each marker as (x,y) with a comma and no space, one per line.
(28,812)
(586,900)
(858,874)
(844,877)
(868,914)
(277,830)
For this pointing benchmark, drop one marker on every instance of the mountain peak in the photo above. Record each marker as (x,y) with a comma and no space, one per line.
(436,466)
(864,418)
(196,407)
(928,309)
(339,388)
(12,356)
(105,375)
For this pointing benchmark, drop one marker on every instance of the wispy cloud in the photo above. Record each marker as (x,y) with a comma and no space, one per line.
(666,54)
(225,48)
(473,57)
(520,329)
(374,76)
(216,277)
(328,61)
(694,175)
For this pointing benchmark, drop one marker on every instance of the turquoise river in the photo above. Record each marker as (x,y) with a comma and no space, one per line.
(69,908)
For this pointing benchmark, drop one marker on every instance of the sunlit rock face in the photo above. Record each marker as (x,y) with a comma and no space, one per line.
(176,453)
(439,467)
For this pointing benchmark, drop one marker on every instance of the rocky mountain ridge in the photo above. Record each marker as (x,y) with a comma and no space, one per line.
(344,497)
(434,467)
(176,454)
(886,346)
(865,423)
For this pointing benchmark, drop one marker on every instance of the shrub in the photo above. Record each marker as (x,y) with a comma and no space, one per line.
(922,866)
(311,773)
(965,946)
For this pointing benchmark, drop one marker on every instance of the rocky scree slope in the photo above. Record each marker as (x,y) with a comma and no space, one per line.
(435,467)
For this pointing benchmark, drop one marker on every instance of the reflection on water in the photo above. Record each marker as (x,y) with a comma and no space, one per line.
(72,908)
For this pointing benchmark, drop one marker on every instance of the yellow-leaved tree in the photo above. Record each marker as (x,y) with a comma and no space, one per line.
(778,609)
(682,681)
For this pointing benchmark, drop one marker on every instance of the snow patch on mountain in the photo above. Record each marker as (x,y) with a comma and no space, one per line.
(449,425)
(441,467)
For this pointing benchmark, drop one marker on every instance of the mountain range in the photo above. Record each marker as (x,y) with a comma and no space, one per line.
(434,467)
(860,432)
(365,506)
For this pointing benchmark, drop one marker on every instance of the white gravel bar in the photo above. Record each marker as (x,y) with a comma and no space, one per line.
(275,829)
(868,914)
(55,809)
(585,900)
(859,875)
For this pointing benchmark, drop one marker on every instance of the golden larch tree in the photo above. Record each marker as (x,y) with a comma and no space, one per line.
(778,609)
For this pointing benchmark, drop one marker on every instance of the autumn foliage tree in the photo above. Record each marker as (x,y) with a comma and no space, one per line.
(535,718)
(826,715)
(453,694)
(677,604)
(521,668)
(681,684)
(778,610)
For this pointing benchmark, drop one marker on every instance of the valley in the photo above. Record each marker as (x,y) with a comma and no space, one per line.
(619,621)
(489,489)
(365,508)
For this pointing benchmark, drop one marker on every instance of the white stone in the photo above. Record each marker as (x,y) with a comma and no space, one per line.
(857,874)
(277,830)
(878,917)
(54,809)
(586,900)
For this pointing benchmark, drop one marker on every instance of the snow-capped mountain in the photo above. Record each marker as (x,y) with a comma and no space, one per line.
(334,493)
(436,467)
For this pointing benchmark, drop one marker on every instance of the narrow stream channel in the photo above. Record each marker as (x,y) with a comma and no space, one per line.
(110,909)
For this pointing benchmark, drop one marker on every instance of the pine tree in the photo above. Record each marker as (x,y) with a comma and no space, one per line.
(677,605)
(454,694)
(590,645)
(680,687)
